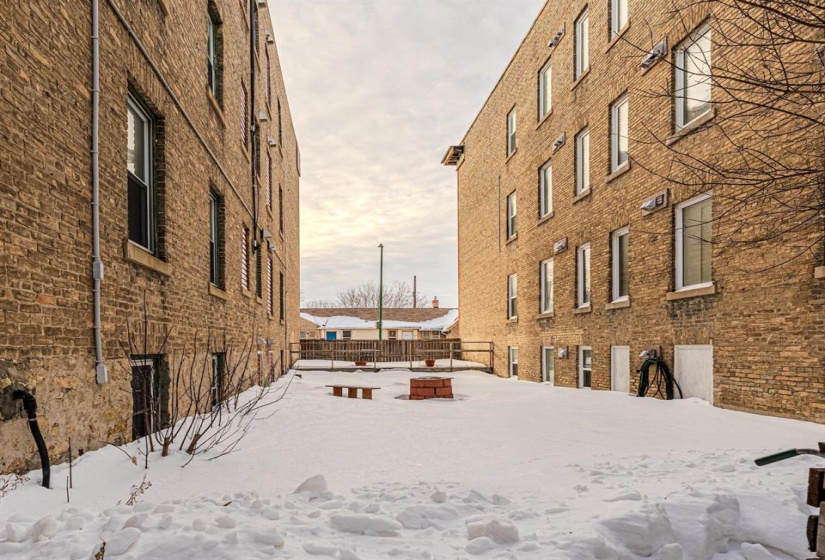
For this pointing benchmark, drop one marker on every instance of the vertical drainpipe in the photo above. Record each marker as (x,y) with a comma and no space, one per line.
(253,127)
(102,374)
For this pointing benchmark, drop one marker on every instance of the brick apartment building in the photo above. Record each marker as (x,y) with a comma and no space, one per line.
(565,270)
(198,205)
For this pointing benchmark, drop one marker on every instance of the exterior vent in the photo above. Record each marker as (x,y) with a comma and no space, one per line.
(558,143)
(658,52)
(654,203)
(557,37)
(559,246)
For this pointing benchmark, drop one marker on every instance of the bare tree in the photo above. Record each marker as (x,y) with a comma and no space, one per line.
(320,303)
(396,294)
(765,77)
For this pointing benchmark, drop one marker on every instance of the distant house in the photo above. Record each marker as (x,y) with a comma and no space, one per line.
(361,323)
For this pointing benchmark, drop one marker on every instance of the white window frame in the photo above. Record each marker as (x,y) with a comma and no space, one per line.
(512,210)
(149,182)
(680,243)
(545,90)
(546,189)
(615,264)
(512,296)
(544,372)
(546,304)
(511,132)
(680,91)
(619,132)
(618,17)
(580,366)
(583,268)
(582,54)
(511,352)
(344,335)
(583,160)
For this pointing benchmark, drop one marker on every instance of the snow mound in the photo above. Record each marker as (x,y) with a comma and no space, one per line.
(366,524)
(314,485)
(499,531)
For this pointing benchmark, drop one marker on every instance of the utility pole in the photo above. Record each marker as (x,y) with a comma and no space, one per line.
(381,295)
(415,292)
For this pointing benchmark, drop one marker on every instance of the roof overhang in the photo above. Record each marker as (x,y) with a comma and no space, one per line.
(453,155)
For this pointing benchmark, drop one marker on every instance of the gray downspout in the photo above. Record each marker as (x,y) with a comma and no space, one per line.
(102,373)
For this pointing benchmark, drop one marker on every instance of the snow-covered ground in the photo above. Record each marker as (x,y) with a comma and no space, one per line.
(508,469)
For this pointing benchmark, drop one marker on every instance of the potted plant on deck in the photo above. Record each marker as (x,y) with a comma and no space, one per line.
(429,362)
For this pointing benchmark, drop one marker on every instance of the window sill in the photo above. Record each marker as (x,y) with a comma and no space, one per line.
(544,219)
(511,239)
(583,309)
(136,254)
(618,37)
(619,304)
(819,272)
(260,300)
(621,170)
(245,152)
(246,293)
(509,157)
(582,195)
(217,292)
(512,320)
(546,315)
(690,292)
(544,119)
(216,107)
(691,127)
(580,79)
(269,212)
(164,7)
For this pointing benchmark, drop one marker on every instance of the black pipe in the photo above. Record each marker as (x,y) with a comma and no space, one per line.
(30,406)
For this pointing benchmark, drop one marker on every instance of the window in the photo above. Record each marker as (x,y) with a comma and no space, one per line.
(215,240)
(270,289)
(585,367)
(620,275)
(693,242)
(213,51)
(392,335)
(140,135)
(268,180)
(346,335)
(280,127)
(218,368)
(583,275)
(583,161)
(245,259)
(513,361)
(281,207)
(545,90)
(548,364)
(511,131)
(150,394)
(618,133)
(511,215)
(546,286)
(244,118)
(268,78)
(546,189)
(282,296)
(259,287)
(512,296)
(582,54)
(618,16)
(693,76)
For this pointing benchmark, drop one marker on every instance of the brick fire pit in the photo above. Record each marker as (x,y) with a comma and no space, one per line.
(431,388)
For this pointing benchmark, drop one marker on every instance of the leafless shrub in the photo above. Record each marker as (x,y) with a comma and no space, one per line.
(11,483)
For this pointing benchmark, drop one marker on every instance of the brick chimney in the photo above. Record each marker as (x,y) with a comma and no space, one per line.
(435,302)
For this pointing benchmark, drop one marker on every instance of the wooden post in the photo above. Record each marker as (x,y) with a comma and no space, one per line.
(366,394)
(352,392)
(452,352)
(338,391)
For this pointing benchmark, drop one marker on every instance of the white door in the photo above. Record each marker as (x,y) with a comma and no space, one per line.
(548,367)
(620,368)
(693,370)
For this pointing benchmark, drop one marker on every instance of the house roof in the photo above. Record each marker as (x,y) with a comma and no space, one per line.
(422,318)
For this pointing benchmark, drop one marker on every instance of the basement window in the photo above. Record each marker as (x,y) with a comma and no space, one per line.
(513,361)
(585,367)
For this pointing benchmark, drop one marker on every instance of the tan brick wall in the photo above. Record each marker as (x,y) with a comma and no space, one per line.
(767,327)
(46,338)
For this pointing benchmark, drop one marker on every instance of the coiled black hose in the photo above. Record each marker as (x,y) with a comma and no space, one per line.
(661,379)
(30,406)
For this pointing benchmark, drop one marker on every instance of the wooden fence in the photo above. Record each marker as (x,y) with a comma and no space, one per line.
(376,352)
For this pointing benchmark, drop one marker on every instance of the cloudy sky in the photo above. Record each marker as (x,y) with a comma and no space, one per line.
(378,90)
